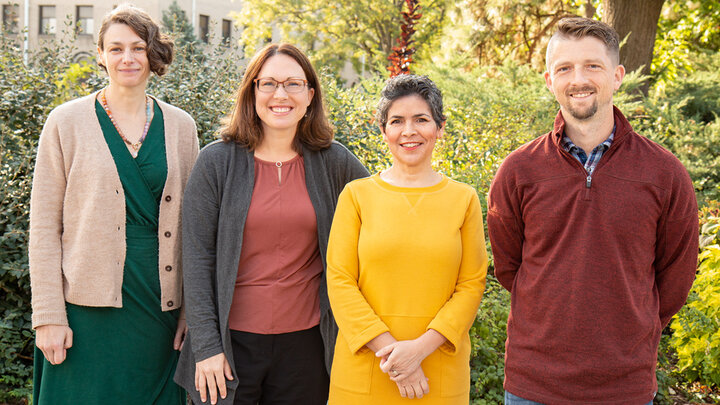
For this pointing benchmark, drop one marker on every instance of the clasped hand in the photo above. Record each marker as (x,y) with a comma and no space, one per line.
(401,361)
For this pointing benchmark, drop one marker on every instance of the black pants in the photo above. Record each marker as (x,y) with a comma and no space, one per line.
(286,368)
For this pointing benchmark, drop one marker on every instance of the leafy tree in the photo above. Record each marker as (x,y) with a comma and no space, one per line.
(685,28)
(336,31)
(519,30)
(176,21)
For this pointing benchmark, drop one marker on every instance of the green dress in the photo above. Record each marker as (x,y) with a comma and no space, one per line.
(123,355)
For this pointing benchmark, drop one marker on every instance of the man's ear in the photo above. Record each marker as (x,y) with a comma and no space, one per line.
(548,82)
(619,74)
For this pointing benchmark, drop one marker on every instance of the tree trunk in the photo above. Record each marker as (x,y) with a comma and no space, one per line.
(639,18)
(589,9)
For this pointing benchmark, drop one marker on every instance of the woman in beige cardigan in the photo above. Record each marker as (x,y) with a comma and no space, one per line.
(105,231)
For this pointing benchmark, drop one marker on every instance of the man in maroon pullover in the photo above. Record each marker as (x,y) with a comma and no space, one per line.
(594,231)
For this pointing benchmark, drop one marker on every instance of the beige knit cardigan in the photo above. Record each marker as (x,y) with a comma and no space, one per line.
(77,213)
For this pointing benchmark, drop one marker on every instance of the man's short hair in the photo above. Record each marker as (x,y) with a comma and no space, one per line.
(579,27)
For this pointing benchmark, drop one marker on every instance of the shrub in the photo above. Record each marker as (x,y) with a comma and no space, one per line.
(696,328)
(28,93)
(488,334)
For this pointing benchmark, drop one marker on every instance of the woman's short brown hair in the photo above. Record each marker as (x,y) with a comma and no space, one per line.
(159,45)
(244,125)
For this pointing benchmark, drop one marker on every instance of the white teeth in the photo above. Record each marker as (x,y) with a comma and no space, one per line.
(280,109)
(581,94)
(411,144)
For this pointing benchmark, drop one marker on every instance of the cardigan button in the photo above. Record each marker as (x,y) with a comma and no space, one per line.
(168,198)
(170,304)
(168,268)
(168,234)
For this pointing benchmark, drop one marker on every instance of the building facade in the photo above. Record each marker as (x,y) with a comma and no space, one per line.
(52,19)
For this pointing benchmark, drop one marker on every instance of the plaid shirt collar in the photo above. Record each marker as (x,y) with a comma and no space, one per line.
(589,162)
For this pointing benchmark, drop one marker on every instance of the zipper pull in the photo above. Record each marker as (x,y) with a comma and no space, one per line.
(588,181)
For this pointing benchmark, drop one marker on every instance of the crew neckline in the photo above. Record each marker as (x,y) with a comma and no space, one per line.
(429,189)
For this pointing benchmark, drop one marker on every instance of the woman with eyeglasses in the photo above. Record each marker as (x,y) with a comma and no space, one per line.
(256,219)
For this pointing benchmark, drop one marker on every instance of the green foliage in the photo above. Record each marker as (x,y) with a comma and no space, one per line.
(333,32)
(515,29)
(488,334)
(28,94)
(685,27)
(351,111)
(696,328)
(176,21)
(203,85)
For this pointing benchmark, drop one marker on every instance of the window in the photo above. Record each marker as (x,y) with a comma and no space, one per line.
(204,28)
(10,18)
(84,22)
(226,31)
(48,23)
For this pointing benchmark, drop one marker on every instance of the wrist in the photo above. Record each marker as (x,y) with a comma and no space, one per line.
(430,341)
(380,341)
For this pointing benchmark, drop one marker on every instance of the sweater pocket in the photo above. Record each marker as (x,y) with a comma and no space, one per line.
(352,371)
(455,378)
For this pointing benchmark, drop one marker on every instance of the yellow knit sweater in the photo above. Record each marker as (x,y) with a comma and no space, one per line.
(404,260)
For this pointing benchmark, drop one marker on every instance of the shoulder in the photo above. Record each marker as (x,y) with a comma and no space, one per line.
(658,162)
(524,160)
(362,186)
(335,152)
(535,149)
(220,150)
(461,188)
(460,191)
(640,144)
(76,110)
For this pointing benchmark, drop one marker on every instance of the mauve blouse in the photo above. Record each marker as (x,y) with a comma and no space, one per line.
(276,290)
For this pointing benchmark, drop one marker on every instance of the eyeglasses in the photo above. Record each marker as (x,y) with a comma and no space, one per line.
(269,85)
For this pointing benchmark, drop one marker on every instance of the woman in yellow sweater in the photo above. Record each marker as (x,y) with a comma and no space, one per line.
(406,266)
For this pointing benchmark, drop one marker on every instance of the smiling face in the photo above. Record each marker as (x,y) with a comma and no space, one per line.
(411,132)
(280,110)
(124,55)
(582,76)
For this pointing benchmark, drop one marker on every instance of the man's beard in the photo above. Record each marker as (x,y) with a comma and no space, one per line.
(582,114)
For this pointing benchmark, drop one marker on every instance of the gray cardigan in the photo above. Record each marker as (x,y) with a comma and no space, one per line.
(215,206)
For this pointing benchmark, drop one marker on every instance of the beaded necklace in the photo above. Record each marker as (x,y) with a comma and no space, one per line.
(135,146)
